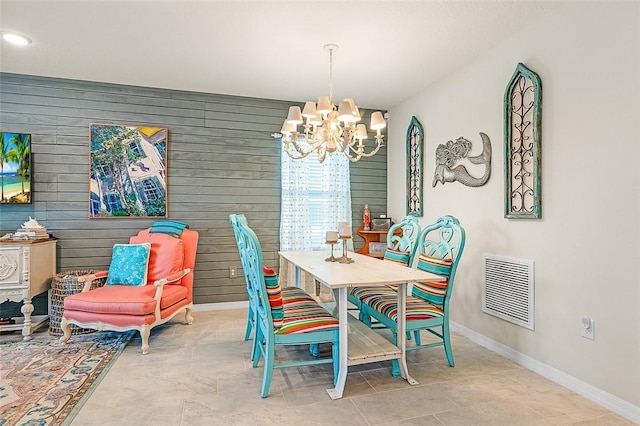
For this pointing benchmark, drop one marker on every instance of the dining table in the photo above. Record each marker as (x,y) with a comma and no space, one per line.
(358,343)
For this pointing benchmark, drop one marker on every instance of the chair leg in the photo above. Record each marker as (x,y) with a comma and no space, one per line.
(269,357)
(416,335)
(335,354)
(257,346)
(314,349)
(447,344)
(145,331)
(66,330)
(247,333)
(395,365)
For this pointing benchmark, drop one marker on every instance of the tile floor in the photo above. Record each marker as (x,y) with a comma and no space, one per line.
(201,375)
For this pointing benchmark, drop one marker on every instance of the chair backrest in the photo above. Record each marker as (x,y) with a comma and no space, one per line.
(438,251)
(402,248)
(238,221)
(165,251)
(253,266)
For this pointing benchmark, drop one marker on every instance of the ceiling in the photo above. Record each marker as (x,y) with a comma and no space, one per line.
(388,50)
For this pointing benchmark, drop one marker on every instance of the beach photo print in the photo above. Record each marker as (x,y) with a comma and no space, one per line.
(15,168)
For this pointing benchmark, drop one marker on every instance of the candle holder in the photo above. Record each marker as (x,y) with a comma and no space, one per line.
(331,258)
(344,258)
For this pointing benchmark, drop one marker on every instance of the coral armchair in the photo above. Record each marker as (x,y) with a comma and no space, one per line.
(164,290)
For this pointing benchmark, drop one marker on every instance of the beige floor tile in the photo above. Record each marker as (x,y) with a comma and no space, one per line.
(202,374)
(495,413)
(414,401)
(562,407)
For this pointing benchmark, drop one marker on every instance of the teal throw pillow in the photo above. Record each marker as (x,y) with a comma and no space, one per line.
(129,264)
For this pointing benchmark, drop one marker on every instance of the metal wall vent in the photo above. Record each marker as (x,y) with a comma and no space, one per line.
(507,289)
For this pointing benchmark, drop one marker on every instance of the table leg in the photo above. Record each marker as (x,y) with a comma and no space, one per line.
(341,301)
(402,335)
(296,277)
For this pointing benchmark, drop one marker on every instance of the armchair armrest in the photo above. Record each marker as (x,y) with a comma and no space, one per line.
(89,278)
(172,278)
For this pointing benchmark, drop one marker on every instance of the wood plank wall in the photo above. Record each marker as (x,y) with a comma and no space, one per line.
(222,160)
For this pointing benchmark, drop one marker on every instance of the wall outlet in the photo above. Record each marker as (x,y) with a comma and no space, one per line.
(588,328)
(233,272)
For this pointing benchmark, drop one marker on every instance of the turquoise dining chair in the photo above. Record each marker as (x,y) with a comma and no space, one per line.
(279,323)
(291,295)
(400,248)
(439,249)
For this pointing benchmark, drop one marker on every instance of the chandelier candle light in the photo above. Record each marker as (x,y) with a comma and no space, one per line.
(327,129)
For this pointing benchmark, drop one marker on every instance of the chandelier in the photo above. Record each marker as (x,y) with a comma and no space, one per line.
(327,129)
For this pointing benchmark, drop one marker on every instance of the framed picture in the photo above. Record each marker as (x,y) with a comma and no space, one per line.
(128,171)
(15,168)
(382,224)
(415,148)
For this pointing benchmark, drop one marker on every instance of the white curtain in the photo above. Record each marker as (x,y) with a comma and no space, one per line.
(315,197)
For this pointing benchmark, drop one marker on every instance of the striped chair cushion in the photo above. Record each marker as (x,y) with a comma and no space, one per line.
(362,293)
(417,309)
(314,319)
(434,265)
(274,293)
(395,255)
(432,290)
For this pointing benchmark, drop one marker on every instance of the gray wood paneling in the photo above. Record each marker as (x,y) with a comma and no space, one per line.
(222,160)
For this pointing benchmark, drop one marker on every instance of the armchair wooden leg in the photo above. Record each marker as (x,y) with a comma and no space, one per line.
(66,330)
(187,316)
(145,331)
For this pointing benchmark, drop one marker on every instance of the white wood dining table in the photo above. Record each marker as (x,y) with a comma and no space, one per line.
(358,343)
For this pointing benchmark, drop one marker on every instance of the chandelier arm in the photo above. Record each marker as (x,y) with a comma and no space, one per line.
(375,150)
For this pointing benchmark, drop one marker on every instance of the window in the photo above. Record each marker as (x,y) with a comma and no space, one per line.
(315,197)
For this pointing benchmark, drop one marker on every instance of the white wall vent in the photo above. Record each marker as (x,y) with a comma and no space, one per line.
(507,289)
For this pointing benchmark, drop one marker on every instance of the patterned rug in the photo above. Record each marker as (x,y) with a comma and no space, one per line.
(43,382)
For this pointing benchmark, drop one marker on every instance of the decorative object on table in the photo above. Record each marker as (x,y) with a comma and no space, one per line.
(332,239)
(344,230)
(59,378)
(32,230)
(415,147)
(15,168)
(382,223)
(62,285)
(523,145)
(329,129)
(366,218)
(128,171)
(449,154)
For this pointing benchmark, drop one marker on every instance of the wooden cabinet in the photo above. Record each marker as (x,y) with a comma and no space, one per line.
(372,237)
(26,270)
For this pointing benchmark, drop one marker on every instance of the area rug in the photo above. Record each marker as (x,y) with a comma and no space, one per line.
(43,382)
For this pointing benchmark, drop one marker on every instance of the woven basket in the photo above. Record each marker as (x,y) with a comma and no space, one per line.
(65,284)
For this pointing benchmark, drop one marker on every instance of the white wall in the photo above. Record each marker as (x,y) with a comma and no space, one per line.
(586,247)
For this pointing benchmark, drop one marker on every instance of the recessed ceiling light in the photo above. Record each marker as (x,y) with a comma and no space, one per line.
(15,38)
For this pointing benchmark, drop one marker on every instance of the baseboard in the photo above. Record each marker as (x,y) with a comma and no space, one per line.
(201,307)
(600,397)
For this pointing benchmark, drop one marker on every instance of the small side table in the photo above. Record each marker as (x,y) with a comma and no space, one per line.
(26,268)
(65,284)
